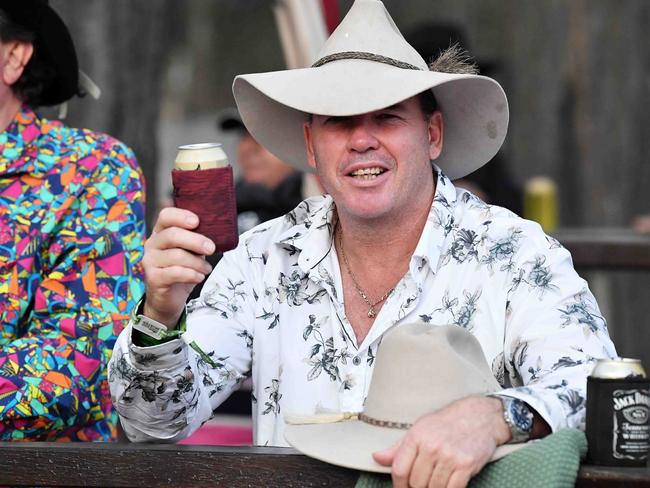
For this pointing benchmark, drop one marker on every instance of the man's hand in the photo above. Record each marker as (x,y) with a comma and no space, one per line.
(448,447)
(174,263)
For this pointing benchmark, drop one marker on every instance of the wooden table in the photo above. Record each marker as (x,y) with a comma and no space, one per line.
(607,248)
(154,465)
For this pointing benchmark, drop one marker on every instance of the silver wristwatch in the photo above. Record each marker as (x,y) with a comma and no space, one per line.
(519,418)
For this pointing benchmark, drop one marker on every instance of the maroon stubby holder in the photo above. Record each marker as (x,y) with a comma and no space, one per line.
(210,194)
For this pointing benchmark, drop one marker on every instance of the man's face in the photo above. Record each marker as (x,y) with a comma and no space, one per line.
(258,165)
(377,165)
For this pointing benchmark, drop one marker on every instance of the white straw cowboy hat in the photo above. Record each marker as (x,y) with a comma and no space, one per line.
(366,65)
(419,369)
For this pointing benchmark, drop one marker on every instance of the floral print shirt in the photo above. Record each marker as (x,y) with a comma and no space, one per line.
(71,241)
(273,309)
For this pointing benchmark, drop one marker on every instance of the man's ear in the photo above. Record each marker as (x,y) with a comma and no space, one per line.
(15,56)
(436,132)
(306,131)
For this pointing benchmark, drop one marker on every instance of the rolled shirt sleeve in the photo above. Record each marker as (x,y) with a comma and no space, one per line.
(167,391)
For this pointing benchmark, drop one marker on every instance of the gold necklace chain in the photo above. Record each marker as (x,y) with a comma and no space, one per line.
(371,303)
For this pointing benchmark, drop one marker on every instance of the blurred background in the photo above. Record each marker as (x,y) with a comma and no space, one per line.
(576,72)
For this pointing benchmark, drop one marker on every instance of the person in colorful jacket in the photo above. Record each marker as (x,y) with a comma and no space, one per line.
(71,241)
(303,303)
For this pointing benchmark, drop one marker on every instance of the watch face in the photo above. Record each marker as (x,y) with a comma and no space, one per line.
(521,416)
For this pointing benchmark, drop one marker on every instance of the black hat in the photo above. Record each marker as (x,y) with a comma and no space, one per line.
(229,120)
(53,43)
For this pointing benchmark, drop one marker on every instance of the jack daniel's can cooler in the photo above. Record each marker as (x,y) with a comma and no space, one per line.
(618,413)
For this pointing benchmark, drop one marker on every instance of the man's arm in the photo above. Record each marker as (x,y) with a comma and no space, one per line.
(448,447)
(166,390)
(53,379)
(554,332)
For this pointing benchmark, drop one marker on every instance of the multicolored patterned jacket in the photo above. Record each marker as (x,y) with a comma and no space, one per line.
(71,242)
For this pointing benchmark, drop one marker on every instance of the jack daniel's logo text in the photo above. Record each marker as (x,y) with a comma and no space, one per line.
(638,398)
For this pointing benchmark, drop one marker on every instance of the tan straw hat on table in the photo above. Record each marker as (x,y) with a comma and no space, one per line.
(419,369)
(366,65)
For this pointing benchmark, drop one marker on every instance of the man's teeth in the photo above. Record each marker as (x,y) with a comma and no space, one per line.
(368,173)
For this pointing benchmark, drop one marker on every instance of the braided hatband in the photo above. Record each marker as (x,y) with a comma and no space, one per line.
(363,55)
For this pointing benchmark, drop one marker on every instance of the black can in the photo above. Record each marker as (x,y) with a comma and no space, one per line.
(618,414)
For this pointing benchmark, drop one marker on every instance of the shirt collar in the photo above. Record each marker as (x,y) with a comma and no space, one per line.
(311,232)
(439,224)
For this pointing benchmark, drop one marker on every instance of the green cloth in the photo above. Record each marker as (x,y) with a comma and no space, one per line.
(552,462)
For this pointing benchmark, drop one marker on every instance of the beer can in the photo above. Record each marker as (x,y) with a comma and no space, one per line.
(206,155)
(203,183)
(618,368)
(618,413)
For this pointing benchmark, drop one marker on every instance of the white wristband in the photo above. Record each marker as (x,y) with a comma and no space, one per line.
(150,327)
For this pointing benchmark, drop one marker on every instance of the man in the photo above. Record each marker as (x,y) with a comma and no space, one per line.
(303,303)
(71,241)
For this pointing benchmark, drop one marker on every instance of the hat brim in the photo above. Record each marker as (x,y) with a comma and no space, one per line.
(275,105)
(350,443)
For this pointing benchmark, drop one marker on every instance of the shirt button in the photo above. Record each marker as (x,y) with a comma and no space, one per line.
(356,360)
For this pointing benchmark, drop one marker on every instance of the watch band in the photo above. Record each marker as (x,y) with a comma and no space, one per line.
(519,418)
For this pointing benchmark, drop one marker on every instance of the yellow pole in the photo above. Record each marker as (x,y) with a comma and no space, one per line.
(540,202)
